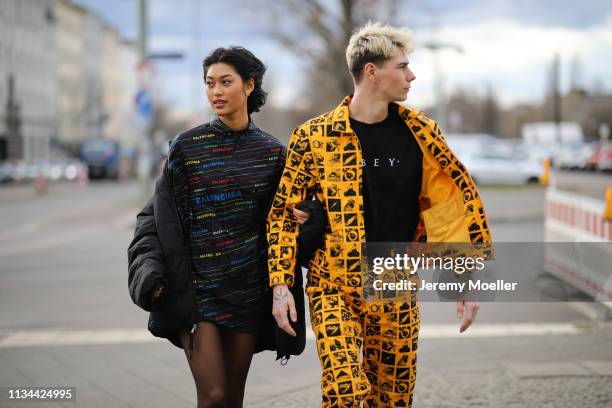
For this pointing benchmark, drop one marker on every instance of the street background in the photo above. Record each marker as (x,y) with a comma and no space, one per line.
(66,319)
(91,92)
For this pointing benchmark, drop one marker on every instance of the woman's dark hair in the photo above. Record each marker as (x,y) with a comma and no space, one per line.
(247,65)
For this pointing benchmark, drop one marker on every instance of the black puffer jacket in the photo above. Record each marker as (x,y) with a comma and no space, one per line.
(158,248)
(157,256)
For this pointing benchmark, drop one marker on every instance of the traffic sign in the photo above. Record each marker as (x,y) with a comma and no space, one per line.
(144,107)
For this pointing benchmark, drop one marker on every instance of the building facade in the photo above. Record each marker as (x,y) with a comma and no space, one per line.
(65,76)
(69,47)
(28,86)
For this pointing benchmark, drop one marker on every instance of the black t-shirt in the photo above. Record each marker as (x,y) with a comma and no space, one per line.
(392,172)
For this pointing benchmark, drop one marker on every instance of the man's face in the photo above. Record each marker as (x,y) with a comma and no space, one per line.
(393,77)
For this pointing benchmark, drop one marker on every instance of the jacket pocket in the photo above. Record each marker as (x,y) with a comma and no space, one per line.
(445,221)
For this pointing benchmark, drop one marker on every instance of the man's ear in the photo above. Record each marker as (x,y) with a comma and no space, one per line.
(369,71)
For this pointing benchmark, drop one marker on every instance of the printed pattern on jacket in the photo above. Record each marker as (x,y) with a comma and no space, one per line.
(323,157)
(223,183)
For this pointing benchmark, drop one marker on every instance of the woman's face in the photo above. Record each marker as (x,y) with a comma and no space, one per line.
(227,93)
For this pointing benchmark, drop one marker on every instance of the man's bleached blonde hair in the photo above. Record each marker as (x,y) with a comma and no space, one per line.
(375,43)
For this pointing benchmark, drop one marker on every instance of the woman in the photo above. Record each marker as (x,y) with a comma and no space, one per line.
(213,299)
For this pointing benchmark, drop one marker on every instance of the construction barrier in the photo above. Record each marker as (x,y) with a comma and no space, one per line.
(586,265)
(83,176)
(41,183)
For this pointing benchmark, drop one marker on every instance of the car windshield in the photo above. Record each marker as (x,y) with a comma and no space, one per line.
(103,147)
(500,152)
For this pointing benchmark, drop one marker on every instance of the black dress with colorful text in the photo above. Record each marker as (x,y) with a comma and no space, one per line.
(223,183)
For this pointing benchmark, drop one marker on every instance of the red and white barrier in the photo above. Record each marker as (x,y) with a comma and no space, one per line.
(41,183)
(587,264)
(580,217)
(83,176)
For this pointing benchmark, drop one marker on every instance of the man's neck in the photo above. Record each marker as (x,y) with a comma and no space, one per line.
(368,108)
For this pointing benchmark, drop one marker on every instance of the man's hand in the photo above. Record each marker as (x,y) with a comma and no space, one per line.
(301,216)
(468,311)
(284,303)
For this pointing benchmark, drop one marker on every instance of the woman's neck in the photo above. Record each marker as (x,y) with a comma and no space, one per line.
(236,121)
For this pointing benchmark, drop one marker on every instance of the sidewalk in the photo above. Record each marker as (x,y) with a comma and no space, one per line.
(561,370)
(530,371)
(501,203)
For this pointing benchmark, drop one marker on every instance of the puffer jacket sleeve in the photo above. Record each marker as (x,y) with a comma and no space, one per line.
(178,185)
(145,260)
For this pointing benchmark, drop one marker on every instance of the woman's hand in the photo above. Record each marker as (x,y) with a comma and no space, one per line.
(158,292)
(301,216)
(283,303)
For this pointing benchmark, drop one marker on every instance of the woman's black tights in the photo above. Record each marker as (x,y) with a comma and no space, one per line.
(219,364)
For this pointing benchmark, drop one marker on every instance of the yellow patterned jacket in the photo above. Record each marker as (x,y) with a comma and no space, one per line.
(324,159)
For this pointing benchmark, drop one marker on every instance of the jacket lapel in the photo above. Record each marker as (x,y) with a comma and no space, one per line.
(431,140)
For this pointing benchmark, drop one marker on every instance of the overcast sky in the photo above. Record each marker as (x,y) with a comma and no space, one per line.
(507,45)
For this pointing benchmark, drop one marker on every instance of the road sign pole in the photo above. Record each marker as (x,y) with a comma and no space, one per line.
(145,149)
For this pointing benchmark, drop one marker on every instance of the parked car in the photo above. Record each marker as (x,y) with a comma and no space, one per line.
(575,156)
(502,168)
(73,169)
(490,161)
(64,170)
(101,156)
(6,172)
(21,171)
(601,159)
(28,171)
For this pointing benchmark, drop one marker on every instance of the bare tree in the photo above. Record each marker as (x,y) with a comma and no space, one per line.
(317,32)
(490,112)
(474,111)
(465,106)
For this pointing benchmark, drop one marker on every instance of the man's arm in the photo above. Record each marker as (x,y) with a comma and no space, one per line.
(437,190)
(467,310)
(296,183)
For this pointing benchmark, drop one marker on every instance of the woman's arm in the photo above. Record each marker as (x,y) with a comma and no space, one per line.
(145,261)
(176,174)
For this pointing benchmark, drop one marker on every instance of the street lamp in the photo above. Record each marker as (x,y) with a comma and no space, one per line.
(435,47)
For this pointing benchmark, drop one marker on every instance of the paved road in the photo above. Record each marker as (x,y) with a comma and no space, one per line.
(589,183)
(66,319)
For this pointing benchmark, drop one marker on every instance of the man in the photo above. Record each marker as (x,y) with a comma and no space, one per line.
(384,174)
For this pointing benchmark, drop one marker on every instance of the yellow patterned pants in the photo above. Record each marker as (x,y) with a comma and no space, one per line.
(367,349)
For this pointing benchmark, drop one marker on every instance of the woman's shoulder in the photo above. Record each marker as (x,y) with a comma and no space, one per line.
(189,135)
(266,137)
(196,131)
